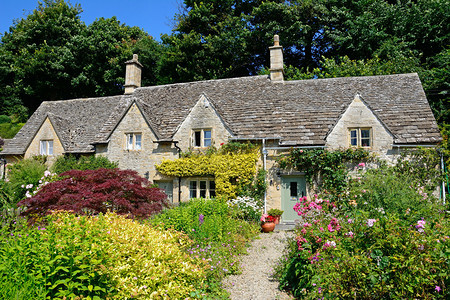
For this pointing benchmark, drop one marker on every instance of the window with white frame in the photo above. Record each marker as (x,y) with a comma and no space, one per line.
(202,188)
(133,141)
(46,147)
(201,138)
(360,137)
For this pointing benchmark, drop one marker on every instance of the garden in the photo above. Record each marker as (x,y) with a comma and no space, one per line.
(382,233)
(97,232)
(87,230)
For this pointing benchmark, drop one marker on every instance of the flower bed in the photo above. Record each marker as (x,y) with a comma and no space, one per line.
(366,251)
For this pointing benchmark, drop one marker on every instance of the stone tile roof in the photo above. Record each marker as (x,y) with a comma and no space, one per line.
(299,112)
(76,123)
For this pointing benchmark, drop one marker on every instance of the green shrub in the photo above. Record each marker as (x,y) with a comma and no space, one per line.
(218,234)
(105,256)
(70,162)
(22,176)
(384,190)
(4,119)
(9,130)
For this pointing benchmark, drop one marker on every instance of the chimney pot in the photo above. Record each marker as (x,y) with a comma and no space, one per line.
(276,40)
(276,60)
(132,74)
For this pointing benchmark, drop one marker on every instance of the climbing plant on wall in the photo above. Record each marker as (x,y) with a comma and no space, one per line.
(233,166)
(326,169)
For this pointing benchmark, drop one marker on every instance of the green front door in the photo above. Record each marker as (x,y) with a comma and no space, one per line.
(292,188)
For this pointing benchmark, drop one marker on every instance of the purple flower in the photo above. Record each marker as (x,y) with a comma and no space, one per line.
(438,288)
(201,219)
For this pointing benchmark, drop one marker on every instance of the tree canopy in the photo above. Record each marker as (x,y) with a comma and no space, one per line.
(51,54)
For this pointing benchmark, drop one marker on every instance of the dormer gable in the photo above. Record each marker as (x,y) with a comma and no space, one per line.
(46,141)
(359,126)
(202,127)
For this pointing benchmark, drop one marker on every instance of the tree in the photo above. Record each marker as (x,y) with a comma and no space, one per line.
(38,49)
(97,191)
(210,41)
(52,55)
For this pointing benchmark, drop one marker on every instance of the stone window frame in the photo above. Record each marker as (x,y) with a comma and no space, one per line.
(359,138)
(201,141)
(131,141)
(46,147)
(196,190)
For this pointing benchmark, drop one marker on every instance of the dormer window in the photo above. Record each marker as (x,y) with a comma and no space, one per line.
(201,138)
(360,137)
(46,147)
(134,141)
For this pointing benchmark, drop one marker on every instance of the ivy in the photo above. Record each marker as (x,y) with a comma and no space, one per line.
(327,169)
(233,167)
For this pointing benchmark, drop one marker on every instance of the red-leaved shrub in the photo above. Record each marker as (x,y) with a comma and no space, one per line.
(98,191)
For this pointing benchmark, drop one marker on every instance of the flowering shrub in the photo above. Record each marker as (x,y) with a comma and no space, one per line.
(23,173)
(104,256)
(95,191)
(351,254)
(218,233)
(248,208)
(31,189)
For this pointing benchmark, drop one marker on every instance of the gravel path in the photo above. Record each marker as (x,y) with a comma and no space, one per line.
(255,281)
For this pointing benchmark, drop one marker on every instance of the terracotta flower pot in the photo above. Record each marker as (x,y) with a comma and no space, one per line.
(267,226)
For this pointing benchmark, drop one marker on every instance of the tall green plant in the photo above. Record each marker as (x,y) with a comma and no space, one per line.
(70,162)
(22,175)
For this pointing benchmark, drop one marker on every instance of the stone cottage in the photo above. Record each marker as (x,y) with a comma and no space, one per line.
(139,129)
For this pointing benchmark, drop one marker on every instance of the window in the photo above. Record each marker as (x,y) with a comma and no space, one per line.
(202,188)
(360,137)
(202,138)
(46,147)
(134,141)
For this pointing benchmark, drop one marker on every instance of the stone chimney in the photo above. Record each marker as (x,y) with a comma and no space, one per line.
(276,60)
(132,74)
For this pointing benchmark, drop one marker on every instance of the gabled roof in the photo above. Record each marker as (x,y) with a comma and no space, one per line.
(299,112)
(76,122)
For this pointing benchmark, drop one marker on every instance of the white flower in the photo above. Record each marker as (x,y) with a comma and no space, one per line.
(370,222)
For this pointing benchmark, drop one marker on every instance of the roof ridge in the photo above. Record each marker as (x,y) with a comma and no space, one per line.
(413,74)
(255,77)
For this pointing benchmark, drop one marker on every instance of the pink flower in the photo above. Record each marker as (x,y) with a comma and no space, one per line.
(421,225)
(361,165)
(321,229)
(438,288)
(330,228)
